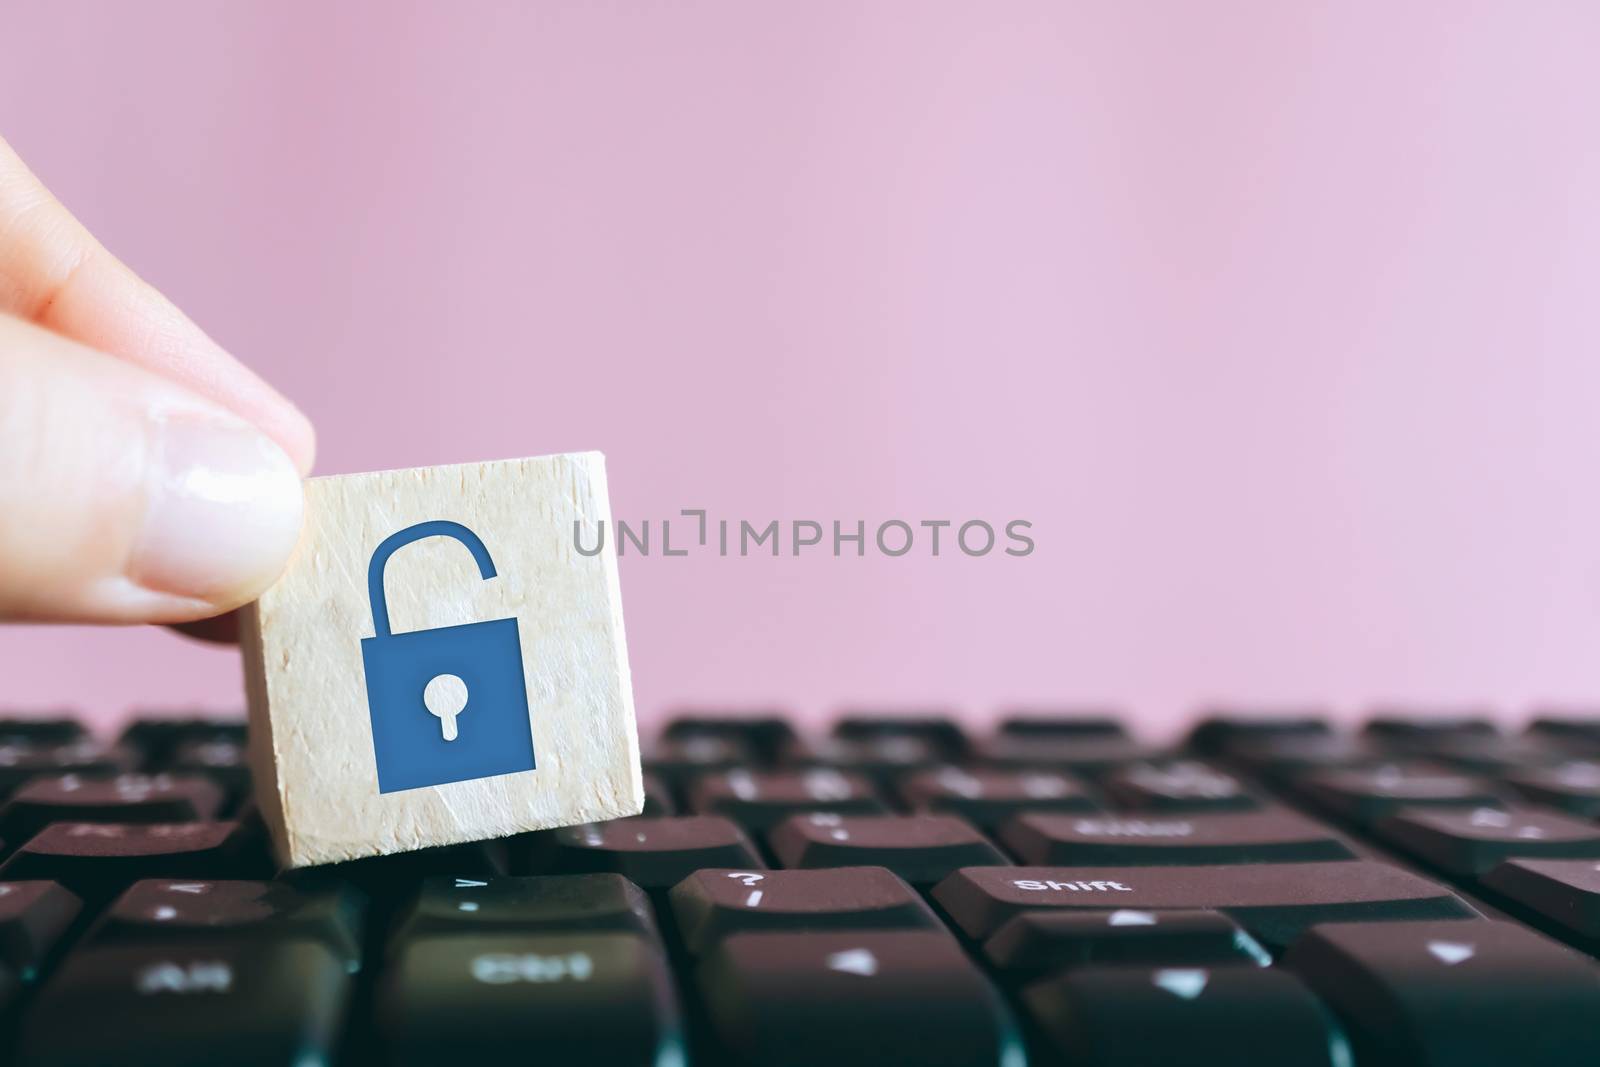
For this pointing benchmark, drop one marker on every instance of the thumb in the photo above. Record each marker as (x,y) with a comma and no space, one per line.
(124,497)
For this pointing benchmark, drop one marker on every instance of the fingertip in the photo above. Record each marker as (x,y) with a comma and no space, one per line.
(223,512)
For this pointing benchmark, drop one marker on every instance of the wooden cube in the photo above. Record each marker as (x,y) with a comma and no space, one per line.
(386,620)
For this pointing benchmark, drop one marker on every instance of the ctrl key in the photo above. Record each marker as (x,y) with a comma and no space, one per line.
(596,998)
(264,1004)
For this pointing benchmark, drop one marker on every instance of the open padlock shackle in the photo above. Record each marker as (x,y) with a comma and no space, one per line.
(401,538)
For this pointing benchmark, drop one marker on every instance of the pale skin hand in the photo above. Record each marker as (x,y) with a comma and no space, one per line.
(145,474)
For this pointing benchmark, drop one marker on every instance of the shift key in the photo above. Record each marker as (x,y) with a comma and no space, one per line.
(1275,902)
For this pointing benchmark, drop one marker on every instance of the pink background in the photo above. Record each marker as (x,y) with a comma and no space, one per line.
(1277,320)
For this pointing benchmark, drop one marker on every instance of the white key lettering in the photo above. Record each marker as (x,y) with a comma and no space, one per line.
(503,968)
(1047,885)
(199,976)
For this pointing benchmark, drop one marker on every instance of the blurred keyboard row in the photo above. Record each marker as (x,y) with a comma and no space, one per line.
(1271,890)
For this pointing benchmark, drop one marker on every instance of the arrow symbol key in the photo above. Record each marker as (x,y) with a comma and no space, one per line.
(1451,953)
(854,961)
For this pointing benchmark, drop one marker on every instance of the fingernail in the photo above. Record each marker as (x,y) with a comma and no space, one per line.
(223,513)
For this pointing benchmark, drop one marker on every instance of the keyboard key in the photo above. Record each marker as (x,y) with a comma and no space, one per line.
(33,916)
(225,762)
(1468,842)
(1561,894)
(389,881)
(1036,942)
(849,999)
(922,849)
(1365,796)
(264,1003)
(1180,785)
(1492,754)
(1406,729)
(1572,786)
(680,760)
(1569,728)
(988,798)
(1222,731)
(97,861)
(171,911)
(557,903)
(1184,1016)
(54,729)
(1062,723)
(21,762)
(1273,836)
(157,739)
(758,801)
(1287,757)
(651,853)
(1454,993)
(880,757)
(126,798)
(761,733)
(711,905)
(582,998)
(938,729)
(1091,756)
(1274,901)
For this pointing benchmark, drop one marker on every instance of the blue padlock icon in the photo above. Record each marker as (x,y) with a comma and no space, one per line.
(422,732)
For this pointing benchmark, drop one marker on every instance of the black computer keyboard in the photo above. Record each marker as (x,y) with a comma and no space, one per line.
(1424,891)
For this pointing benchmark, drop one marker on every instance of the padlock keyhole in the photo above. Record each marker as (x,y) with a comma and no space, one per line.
(445,697)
